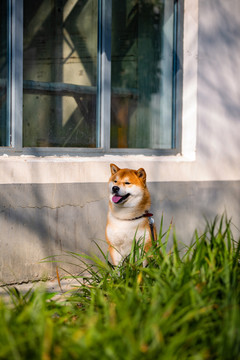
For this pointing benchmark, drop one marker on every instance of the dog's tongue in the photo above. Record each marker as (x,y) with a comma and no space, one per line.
(116,198)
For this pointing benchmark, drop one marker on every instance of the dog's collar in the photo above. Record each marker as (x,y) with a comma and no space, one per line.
(146,214)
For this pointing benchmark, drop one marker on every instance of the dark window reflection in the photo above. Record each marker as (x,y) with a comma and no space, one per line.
(142,64)
(60,73)
(4,65)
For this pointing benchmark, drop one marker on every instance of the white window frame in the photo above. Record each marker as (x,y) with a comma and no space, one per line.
(24,169)
(104,100)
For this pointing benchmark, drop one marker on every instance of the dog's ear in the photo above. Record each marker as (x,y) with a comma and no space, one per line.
(142,174)
(114,169)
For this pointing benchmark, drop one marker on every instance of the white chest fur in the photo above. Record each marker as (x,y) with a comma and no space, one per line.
(121,233)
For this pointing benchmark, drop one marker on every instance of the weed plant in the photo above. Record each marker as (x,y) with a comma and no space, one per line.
(182,305)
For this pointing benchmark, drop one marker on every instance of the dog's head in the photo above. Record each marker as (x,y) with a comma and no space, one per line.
(127,187)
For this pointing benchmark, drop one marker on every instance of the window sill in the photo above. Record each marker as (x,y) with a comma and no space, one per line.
(29,169)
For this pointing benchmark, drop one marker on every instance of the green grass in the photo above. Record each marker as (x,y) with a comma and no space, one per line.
(183,305)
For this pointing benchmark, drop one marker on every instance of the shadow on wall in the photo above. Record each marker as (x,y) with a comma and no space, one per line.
(218,85)
(42,220)
(189,204)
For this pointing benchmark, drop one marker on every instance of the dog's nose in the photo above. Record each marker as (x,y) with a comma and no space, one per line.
(115,189)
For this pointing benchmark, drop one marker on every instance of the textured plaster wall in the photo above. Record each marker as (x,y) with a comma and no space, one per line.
(39,220)
(218,133)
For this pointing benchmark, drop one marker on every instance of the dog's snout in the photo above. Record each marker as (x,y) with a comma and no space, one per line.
(115,189)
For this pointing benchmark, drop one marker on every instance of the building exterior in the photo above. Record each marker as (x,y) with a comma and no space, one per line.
(86,83)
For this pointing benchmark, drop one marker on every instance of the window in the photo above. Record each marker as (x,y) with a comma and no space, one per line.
(95,76)
(142,74)
(60,44)
(4,75)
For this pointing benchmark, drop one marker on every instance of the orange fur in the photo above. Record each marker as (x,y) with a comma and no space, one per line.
(129,199)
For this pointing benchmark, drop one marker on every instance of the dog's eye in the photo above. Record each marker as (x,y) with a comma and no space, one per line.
(115,181)
(127,183)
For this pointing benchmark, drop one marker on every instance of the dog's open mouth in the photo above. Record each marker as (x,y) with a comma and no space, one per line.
(118,198)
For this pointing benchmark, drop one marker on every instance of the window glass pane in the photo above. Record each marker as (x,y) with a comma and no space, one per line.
(142,74)
(4,75)
(60,73)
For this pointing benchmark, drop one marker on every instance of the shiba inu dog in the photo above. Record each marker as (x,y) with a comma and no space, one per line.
(128,215)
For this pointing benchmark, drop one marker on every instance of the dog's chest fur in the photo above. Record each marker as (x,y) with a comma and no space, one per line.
(122,232)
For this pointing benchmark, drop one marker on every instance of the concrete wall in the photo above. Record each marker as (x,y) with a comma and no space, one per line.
(39,220)
(52,204)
